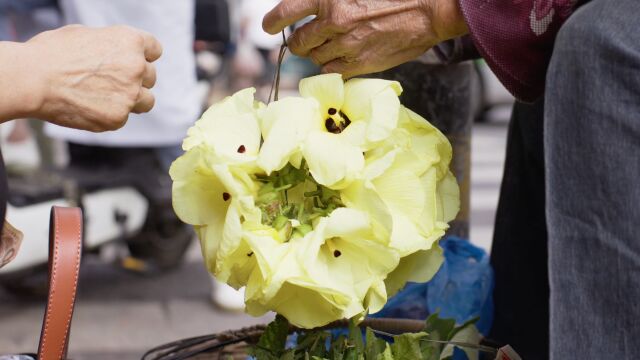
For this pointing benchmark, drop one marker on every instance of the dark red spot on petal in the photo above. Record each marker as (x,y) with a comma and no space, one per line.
(332,111)
(242,149)
(332,127)
(337,253)
(226,196)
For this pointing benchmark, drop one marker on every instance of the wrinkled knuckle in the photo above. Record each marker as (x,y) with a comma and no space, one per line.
(120,31)
(118,120)
(137,39)
(315,57)
(318,57)
(339,22)
(133,99)
(130,36)
(138,67)
(282,11)
(296,44)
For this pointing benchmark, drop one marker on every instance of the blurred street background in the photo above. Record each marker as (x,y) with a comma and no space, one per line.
(143,282)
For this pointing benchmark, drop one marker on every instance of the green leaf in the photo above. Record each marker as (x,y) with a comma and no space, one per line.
(387,354)
(439,329)
(289,355)
(338,348)
(262,354)
(271,344)
(355,337)
(407,346)
(352,353)
(465,334)
(430,350)
(374,347)
(313,342)
(463,326)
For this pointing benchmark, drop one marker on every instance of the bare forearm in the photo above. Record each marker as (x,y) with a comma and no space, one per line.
(20,90)
(79,77)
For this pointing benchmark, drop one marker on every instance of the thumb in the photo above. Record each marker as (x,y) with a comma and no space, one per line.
(288,12)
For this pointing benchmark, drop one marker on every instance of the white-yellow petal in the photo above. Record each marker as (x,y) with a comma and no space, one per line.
(418,267)
(448,198)
(332,161)
(362,196)
(198,194)
(377,297)
(347,222)
(375,101)
(402,191)
(231,127)
(285,126)
(307,305)
(234,261)
(327,89)
(427,142)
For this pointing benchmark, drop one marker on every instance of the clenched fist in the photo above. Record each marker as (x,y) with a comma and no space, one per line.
(86,78)
(355,37)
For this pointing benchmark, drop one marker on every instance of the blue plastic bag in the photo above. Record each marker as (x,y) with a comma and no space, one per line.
(461,290)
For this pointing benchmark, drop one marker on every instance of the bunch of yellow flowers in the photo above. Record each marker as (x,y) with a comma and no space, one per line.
(323,205)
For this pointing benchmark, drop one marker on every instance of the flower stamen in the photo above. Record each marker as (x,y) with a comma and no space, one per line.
(226,196)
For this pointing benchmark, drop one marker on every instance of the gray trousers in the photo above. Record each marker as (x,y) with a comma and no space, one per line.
(592,144)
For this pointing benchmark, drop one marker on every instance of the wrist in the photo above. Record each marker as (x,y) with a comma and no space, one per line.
(21,85)
(446,18)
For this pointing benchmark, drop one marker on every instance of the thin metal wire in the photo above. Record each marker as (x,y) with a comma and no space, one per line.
(275,85)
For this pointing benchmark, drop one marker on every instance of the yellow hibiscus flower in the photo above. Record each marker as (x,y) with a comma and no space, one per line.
(213,186)
(330,126)
(323,205)
(334,272)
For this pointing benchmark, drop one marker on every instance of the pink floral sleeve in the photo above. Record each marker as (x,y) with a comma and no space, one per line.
(516,39)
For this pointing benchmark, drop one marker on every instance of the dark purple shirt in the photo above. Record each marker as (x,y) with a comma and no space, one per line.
(516,39)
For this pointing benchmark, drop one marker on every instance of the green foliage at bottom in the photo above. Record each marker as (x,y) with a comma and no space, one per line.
(430,344)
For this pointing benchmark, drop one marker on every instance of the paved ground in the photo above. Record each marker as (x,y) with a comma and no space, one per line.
(120,314)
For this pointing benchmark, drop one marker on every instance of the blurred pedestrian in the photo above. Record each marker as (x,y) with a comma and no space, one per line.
(177,105)
(154,138)
(257,51)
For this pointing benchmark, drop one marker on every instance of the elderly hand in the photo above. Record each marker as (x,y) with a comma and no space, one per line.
(355,37)
(90,79)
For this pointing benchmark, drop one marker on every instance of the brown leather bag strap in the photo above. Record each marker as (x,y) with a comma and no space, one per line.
(65,250)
